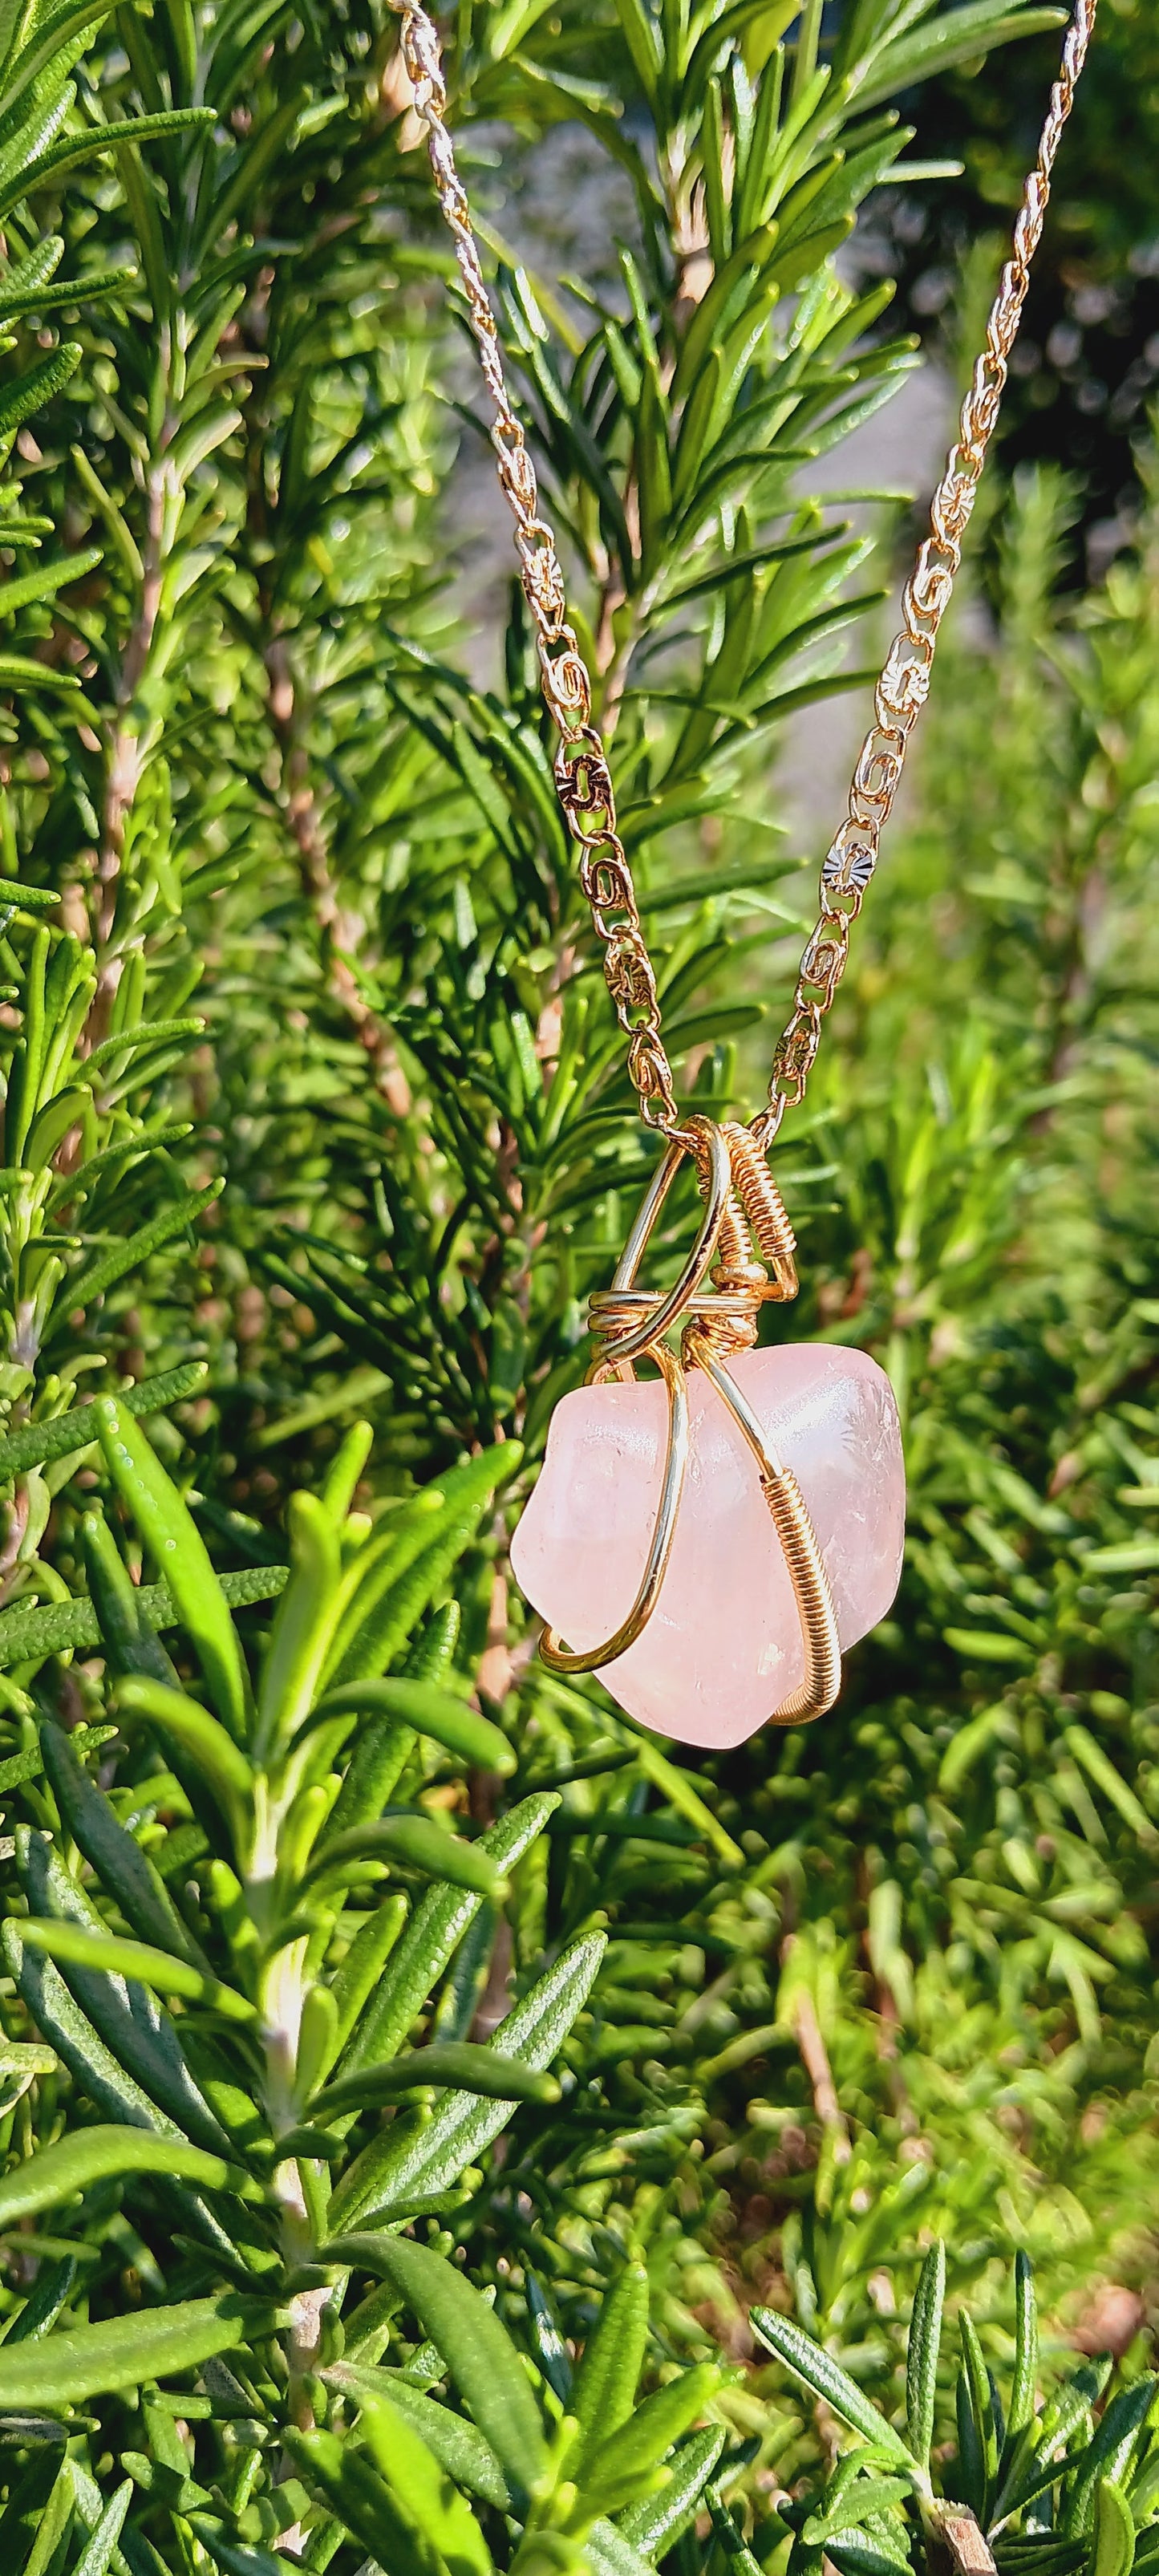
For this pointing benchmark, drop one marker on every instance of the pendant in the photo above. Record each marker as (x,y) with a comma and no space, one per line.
(707,1543)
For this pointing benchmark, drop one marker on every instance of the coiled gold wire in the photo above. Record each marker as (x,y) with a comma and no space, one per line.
(764,1208)
(816,1609)
(742,1206)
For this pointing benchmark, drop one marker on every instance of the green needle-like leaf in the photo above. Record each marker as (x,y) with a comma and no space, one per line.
(457,2062)
(125,2351)
(826,2380)
(106,1951)
(429,1711)
(171,1534)
(64,1627)
(418,1844)
(1024,2384)
(74,2164)
(614,2468)
(605,2383)
(39,1441)
(1113,2547)
(479,2354)
(925,2335)
(217,1757)
(456,2444)
(435,2506)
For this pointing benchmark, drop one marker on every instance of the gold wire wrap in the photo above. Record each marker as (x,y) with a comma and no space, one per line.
(764,1207)
(742,1206)
(802,1555)
(660,1546)
(814,1600)
(627,1322)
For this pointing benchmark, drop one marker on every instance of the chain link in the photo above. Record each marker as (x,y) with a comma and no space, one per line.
(582,777)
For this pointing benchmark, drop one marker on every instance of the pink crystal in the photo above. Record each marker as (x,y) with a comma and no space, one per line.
(723,1648)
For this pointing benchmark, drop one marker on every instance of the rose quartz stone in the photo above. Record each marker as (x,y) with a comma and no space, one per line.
(722,1648)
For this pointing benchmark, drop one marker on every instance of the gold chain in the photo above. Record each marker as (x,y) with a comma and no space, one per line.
(582,777)
(904,684)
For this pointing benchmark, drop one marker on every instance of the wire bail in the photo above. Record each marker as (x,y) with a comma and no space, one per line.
(716,1301)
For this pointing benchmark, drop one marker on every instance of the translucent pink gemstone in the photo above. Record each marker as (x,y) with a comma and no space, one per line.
(723,1648)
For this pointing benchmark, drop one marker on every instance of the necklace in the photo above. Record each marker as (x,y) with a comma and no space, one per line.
(718,1599)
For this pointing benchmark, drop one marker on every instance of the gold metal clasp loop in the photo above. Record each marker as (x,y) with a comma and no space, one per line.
(631,1323)
(557,1657)
(743,1211)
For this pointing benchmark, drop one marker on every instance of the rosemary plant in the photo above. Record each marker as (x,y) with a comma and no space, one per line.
(440,2129)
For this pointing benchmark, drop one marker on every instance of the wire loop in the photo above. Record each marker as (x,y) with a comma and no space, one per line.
(716,1300)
